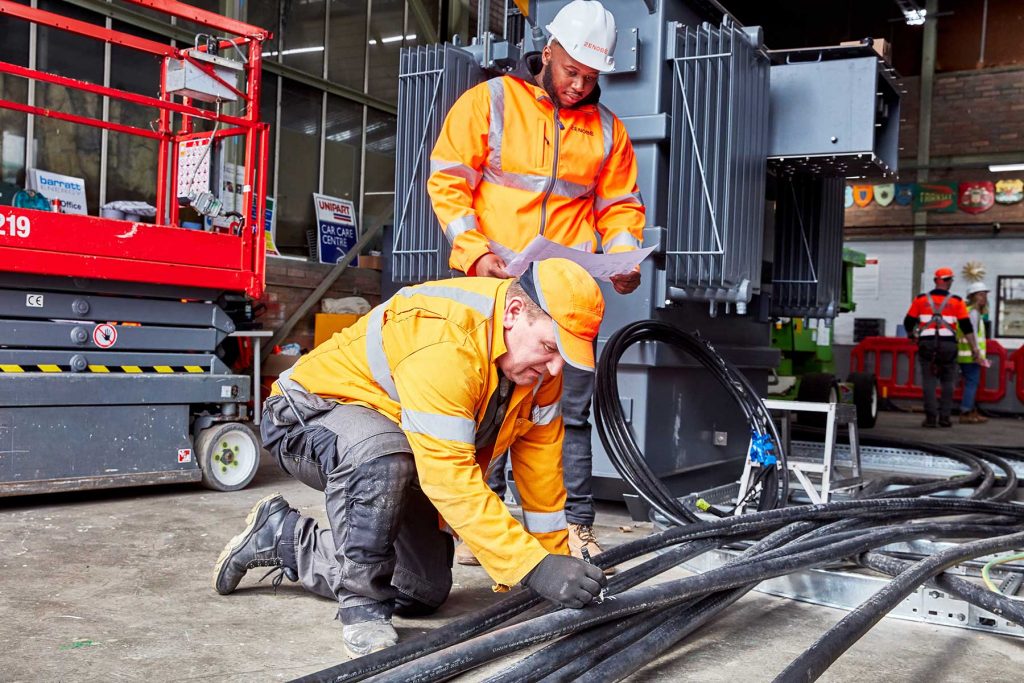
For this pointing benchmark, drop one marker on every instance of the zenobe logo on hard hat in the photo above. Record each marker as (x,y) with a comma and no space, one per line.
(586,30)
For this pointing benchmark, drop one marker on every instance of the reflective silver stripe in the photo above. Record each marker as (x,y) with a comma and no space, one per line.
(564,188)
(601,203)
(497,128)
(447,427)
(607,130)
(454,168)
(536,183)
(584,246)
(460,225)
(545,415)
(625,239)
(544,522)
(378,362)
(481,303)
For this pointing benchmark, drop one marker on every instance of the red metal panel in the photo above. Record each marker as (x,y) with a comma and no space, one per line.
(1017,367)
(894,361)
(91,236)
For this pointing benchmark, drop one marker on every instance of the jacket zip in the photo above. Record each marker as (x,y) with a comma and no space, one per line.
(554,174)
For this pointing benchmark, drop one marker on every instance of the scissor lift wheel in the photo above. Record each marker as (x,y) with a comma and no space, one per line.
(228,455)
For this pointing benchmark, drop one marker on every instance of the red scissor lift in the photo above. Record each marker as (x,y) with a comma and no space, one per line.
(109,329)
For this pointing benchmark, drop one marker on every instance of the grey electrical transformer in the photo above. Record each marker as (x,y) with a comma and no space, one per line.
(741,153)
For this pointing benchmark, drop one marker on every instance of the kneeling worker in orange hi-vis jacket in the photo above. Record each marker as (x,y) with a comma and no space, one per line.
(396,419)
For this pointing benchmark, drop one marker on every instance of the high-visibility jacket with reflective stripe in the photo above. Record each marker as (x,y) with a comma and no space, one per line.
(937,318)
(964,352)
(426,359)
(508,166)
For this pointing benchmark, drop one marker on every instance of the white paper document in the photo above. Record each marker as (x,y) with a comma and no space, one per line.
(601,266)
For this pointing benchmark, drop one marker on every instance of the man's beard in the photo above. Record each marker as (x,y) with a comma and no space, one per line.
(548,82)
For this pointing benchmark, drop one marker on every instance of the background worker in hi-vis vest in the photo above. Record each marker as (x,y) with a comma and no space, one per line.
(933,318)
(535,153)
(970,366)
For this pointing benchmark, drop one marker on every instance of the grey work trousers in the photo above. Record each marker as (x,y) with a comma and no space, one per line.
(384,552)
(577,452)
(938,368)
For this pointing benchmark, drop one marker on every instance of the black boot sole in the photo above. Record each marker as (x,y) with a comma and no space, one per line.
(257,516)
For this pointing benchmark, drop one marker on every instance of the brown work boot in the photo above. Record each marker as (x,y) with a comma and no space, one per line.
(972,417)
(582,536)
(465,556)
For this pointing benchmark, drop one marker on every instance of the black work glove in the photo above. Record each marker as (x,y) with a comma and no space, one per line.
(567,581)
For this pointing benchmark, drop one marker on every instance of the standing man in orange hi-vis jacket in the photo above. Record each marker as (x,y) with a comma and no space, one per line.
(936,315)
(535,153)
(396,418)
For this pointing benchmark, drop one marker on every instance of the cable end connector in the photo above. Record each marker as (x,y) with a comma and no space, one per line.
(762,450)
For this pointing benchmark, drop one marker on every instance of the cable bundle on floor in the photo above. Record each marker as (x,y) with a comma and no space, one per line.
(627,458)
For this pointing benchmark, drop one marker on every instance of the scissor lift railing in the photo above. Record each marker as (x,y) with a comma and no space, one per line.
(47,243)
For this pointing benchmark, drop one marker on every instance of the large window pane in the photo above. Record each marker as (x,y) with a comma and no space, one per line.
(341,148)
(380,167)
(61,146)
(302,36)
(132,160)
(265,15)
(268,114)
(299,164)
(347,50)
(14,49)
(387,36)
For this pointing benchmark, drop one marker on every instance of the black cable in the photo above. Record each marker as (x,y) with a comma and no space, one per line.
(617,438)
(999,605)
(481,649)
(750,525)
(837,640)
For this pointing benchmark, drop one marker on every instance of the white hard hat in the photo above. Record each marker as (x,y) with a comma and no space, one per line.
(587,32)
(976,287)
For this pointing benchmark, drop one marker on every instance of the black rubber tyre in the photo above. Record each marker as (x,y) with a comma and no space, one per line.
(865,398)
(817,387)
(229,456)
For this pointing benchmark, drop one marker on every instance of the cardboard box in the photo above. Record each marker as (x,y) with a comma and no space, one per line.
(880,45)
(370,261)
(328,323)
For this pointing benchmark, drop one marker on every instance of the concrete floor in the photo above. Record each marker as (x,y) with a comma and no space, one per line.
(115,585)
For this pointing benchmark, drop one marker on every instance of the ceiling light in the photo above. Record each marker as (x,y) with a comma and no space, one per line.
(392,39)
(295,51)
(1003,168)
(915,17)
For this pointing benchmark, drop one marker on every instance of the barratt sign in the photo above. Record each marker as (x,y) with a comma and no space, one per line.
(68,189)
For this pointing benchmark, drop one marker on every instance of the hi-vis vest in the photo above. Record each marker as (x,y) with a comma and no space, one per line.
(508,166)
(963,352)
(937,315)
(425,359)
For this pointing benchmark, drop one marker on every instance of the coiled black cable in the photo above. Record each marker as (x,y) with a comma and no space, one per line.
(622,449)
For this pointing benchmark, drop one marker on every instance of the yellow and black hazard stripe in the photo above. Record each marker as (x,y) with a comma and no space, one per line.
(109,369)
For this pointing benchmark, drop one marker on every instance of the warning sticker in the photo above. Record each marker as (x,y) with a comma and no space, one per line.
(184,455)
(104,335)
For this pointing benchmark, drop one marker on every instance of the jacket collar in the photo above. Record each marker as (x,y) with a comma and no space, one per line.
(529,66)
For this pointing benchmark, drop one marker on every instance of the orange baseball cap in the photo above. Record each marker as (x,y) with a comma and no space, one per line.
(943,273)
(567,293)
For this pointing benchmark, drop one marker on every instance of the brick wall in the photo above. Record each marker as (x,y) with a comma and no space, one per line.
(289,282)
(974,112)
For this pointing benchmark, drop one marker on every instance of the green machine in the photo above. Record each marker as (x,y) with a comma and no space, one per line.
(807,369)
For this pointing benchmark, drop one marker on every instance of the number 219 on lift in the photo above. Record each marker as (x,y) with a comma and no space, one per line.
(15,226)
